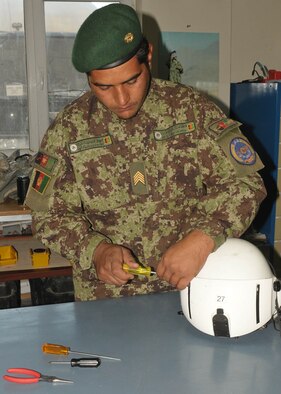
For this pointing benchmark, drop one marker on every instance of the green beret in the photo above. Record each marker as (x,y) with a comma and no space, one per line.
(110,36)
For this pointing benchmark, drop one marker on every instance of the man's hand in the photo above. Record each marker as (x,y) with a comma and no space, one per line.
(183,260)
(108,260)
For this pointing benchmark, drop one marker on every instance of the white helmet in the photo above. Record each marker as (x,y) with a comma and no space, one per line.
(233,293)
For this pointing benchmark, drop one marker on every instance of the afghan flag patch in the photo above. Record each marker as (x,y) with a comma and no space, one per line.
(40,181)
(222,125)
(45,161)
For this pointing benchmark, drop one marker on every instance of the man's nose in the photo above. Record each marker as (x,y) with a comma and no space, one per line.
(122,96)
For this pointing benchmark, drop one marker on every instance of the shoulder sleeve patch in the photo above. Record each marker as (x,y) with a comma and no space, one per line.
(41,182)
(45,162)
(222,125)
(240,152)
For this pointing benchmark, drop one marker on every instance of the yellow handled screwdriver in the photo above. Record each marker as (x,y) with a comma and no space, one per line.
(53,348)
(147,271)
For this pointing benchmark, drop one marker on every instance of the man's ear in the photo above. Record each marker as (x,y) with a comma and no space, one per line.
(88,79)
(150,54)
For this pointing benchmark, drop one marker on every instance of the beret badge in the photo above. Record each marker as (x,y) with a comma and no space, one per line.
(129,37)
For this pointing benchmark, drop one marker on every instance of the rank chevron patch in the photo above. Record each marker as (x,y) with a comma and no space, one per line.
(138,178)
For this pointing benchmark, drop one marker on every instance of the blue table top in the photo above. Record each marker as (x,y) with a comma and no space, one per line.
(160,351)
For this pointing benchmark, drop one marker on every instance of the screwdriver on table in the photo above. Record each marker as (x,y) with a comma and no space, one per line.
(140,270)
(53,348)
(81,362)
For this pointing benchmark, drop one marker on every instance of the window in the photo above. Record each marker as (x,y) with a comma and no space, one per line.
(64,82)
(13,83)
(37,78)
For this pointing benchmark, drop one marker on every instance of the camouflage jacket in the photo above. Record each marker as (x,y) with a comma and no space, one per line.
(145,183)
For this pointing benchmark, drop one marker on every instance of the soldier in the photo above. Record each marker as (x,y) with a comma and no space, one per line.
(138,170)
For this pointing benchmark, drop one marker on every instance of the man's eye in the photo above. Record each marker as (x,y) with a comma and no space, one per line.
(104,87)
(132,81)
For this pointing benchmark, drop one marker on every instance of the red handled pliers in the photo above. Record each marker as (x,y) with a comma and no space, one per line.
(31,376)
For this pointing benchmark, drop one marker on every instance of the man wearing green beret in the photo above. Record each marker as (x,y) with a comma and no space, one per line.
(138,171)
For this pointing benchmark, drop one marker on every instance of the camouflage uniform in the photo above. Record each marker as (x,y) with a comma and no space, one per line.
(143,183)
(176,69)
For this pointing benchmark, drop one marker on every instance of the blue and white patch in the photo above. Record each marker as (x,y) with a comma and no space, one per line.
(242,151)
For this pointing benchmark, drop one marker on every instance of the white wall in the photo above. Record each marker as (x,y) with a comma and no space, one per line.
(255,28)
(192,16)
(256,35)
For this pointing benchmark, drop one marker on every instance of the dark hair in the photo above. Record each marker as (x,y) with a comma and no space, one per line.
(143,51)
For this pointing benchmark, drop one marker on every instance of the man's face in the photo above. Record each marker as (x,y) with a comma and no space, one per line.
(122,89)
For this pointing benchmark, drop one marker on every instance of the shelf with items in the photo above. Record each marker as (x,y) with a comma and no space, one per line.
(13,277)
(15,219)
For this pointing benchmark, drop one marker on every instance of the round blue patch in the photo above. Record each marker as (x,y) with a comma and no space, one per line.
(242,151)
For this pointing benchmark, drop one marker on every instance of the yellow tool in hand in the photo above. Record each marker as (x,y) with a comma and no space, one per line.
(140,270)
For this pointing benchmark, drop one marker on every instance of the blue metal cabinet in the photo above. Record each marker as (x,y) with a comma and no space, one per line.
(257,107)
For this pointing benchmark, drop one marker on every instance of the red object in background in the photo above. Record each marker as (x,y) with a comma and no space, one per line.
(263,74)
(273,75)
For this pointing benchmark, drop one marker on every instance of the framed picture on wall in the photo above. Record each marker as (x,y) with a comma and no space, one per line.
(191,59)
(198,34)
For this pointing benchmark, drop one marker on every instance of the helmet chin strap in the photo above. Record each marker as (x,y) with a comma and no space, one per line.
(220,324)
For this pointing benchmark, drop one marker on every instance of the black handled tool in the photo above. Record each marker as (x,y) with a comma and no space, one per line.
(81,362)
